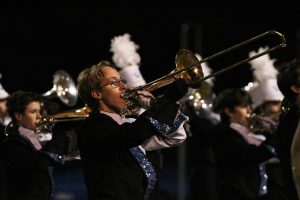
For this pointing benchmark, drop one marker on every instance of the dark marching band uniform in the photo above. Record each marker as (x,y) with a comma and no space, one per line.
(115,166)
(28,168)
(286,131)
(238,165)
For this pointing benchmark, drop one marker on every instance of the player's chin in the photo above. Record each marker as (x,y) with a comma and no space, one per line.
(121,105)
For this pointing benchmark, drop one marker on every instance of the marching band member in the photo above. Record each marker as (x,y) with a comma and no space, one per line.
(288,147)
(4,118)
(116,155)
(266,104)
(28,163)
(239,152)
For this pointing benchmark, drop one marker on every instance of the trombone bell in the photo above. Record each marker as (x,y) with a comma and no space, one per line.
(190,68)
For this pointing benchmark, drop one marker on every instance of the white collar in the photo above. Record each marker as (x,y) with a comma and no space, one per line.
(116,117)
(250,137)
(239,128)
(31,136)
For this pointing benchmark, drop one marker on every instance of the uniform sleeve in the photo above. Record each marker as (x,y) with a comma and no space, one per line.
(170,135)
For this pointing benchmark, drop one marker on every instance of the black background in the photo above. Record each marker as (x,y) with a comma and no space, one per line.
(39,38)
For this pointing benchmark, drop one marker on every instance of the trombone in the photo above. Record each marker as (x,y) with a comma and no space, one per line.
(46,123)
(188,67)
(186,61)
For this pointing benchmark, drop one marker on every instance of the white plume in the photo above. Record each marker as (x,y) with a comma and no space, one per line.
(206,70)
(263,67)
(3,93)
(124,51)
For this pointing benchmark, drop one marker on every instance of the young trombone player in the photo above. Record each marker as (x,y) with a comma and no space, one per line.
(115,153)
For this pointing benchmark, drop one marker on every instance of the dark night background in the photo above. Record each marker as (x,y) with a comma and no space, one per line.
(40,37)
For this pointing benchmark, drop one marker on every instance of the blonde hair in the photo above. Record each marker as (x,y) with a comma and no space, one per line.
(88,80)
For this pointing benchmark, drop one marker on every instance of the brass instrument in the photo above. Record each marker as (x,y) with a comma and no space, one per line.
(260,124)
(188,67)
(46,123)
(64,88)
